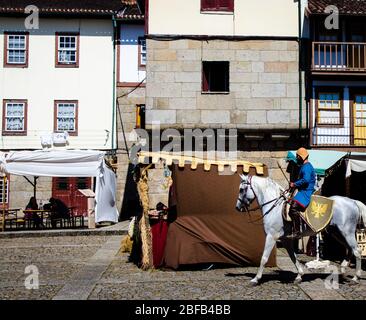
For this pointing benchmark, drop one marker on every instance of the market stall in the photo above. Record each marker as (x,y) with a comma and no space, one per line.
(68,163)
(205,228)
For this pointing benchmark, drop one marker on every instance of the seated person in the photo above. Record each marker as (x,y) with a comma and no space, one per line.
(32,205)
(59,210)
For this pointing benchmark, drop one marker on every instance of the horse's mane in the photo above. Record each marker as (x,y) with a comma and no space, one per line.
(271,182)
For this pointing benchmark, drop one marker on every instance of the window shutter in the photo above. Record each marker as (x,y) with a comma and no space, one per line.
(217,5)
(205,77)
(209,5)
(225,5)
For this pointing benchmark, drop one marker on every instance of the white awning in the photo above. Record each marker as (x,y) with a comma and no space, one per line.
(356,162)
(68,163)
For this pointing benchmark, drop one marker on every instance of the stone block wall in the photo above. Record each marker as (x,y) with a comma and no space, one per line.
(158,186)
(264,84)
(20,190)
(126,115)
(273,160)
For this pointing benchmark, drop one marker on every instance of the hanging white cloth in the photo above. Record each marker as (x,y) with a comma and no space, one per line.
(355,165)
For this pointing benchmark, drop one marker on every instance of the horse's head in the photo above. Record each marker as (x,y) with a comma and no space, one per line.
(246,193)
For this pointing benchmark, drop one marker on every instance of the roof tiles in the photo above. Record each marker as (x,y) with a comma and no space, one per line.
(345,7)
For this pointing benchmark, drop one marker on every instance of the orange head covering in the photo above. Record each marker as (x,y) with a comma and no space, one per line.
(303,153)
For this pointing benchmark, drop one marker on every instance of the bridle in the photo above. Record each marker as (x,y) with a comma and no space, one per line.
(275,201)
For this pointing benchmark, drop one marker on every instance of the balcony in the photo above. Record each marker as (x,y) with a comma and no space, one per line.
(339,58)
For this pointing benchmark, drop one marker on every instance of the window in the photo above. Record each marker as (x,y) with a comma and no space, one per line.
(16,50)
(217,5)
(360,110)
(67,50)
(66,117)
(82,183)
(142,53)
(2,190)
(61,183)
(330,111)
(215,76)
(14,117)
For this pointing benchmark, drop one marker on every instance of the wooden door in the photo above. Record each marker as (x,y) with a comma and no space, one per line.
(66,189)
(359,120)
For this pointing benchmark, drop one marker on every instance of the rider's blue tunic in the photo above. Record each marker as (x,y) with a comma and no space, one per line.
(305,184)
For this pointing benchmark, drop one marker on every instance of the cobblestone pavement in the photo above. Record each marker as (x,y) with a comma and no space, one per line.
(68,262)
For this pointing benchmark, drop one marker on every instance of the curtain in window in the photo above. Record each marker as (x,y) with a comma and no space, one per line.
(66,117)
(16,49)
(67,49)
(15,117)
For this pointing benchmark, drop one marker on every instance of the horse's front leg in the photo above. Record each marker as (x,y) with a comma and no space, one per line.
(270,242)
(289,245)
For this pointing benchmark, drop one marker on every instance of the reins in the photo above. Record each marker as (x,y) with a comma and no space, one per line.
(276,201)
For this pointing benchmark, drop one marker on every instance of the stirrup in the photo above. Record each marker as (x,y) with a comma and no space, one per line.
(294,235)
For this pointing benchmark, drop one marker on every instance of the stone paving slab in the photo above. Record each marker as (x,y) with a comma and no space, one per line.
(82,283)
(57,259)
(120,228)
(313,283)
(79,267)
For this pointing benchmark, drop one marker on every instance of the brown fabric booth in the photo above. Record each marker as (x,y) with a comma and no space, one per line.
(208,229)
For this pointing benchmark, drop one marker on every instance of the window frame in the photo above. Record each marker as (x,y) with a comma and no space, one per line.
(7,192)
(141,66)
(56,103)
(363,111)
(59,64)
(15,133)
(217,9)
(6,41)
(353,92)
(318,108)
(205,83)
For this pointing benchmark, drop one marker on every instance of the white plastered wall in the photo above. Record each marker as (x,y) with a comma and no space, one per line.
(41,83)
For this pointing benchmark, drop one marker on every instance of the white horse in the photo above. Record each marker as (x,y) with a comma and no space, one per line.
(347,214)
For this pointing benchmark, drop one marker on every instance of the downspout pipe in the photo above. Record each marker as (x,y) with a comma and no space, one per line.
(300,56)
(114,22)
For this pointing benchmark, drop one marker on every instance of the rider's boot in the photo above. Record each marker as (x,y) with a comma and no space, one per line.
(295,225)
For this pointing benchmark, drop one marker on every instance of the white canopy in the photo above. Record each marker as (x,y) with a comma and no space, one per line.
(68,163)
(356,162)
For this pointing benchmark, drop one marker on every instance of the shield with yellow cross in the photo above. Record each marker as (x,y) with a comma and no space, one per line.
(319,213)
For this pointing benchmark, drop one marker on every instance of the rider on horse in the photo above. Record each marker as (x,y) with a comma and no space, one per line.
(305,186)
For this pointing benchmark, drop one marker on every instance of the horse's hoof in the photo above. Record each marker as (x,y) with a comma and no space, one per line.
(298,280)
(254,282)
(355,281)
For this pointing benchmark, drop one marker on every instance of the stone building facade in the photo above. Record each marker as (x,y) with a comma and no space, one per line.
(264,84)
(262,103)
(256,47)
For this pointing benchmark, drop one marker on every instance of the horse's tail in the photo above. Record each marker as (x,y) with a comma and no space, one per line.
(362,209)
